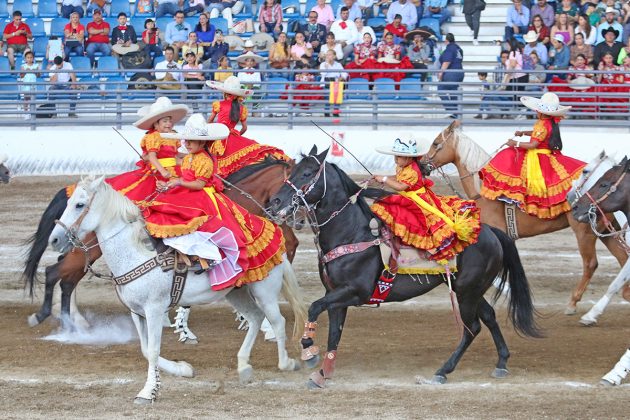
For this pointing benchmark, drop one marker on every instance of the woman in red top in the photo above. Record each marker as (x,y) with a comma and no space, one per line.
(534,175)
(364,58)
(397,28)
(74,35)
(159,154)
(539,27)
(236,151)
(151,38)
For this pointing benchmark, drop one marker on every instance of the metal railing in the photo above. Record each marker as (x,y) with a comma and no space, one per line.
(110,98)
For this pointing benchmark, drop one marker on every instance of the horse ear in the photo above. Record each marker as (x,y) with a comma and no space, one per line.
(602,154)
(313,151)
(94,184)
(322,156)
(627,163)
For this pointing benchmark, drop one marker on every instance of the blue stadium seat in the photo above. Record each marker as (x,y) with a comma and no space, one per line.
(4,9)
(309,5)
(107,63)
(410,90)
(18,61)
(112,84)
(376,22)
(113,22)
(39,47)
(291,9)
(247,12)
(81,63)
(37,27)
(220,23)
(47,9)
(335,5)
(56,27)
(385,89)
(192,21)
(161,23)
(24,6)
(138,25)
(158,60)
(276,87)
(84,21)
(4,66)
(433,24)
(358,89)
(118,6)
(8,90)
(144,14)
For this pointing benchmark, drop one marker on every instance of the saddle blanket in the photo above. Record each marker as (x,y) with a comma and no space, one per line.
(412,261)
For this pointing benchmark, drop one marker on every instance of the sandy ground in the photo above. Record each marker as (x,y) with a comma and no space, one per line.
(383,353)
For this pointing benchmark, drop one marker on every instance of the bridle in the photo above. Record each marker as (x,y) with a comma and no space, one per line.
(587,177)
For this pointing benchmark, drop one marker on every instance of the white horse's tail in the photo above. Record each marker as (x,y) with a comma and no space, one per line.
(293,293)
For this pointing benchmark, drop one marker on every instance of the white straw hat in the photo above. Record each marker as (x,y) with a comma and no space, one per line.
(389,59)
(581,83)
(549,104)
(612,10)
(530,36)
(249,54)
(231,85)
(248,44)
(406,145)
(162,107)
(197,128)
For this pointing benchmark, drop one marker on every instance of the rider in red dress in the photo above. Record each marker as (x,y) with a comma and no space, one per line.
(236,151)
(534,175)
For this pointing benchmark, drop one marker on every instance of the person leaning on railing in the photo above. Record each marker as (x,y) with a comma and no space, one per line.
(63,79)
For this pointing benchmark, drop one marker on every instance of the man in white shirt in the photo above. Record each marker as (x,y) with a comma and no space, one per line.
(62,81)
(345,31)
(170,79)
(353,9)
(405,9)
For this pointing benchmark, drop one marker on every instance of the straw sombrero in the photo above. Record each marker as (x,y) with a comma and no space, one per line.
(197,128)
(406,145)
(411,34)
(389,59)
(162,107)
(549,104)
(581,83)
(249,54)
(122,49)
(531,36)
(231,85)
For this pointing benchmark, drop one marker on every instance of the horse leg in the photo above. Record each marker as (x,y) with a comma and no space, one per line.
(336,321)
(590,318)
(488,317)
(468,308)
(149,392)
(243,302)
(67,287)
(619,372)
(52,277)
(290,240)
(586,244)
(181,326)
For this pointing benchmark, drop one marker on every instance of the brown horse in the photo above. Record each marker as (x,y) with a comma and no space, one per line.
(451,146)
(250,187)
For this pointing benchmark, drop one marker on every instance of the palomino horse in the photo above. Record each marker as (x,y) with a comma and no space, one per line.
(127,249)
(611,193)
(260,180)
(5,175)
(452,146)
(341,220)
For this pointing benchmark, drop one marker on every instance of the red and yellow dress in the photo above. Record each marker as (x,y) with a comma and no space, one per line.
(249,246)
(441,226)
(537,180)
(237,151)
(139,184)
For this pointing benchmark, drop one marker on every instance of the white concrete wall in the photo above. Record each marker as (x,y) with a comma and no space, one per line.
(83,150)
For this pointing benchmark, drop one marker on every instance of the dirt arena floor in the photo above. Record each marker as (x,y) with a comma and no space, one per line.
(385,354)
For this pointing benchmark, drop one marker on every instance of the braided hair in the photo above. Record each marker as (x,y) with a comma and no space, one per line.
(555,141)
(235,109)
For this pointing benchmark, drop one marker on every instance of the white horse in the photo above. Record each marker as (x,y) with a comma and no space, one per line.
(119,226)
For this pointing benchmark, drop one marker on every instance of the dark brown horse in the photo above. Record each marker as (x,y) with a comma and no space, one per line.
(250,187)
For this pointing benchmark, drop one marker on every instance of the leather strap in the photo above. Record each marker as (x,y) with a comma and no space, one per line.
(165,260)
(510,221)
(347,249)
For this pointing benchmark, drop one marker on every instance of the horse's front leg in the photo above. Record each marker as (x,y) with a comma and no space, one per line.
(52,277)
(149,393)
(336,319)
(586,244)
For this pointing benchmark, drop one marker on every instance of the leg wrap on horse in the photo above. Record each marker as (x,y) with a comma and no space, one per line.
(620,371)
(310,352)
(309,330)
(328,367)
(181,325)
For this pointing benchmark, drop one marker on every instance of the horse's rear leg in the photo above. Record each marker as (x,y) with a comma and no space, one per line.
(52,277)
(586,244)
(488,317)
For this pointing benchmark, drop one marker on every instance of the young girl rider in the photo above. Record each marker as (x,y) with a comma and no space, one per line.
(236,151)
(534,175)
(441,226)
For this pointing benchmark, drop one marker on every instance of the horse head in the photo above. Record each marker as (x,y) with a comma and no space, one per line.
(5,175)
(590,174)
(443,150)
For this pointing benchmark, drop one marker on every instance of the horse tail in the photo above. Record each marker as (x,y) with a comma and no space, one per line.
(38,242)
(520,307)
(293,293)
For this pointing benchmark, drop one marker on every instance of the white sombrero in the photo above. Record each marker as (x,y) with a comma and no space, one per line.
(248,44)
(122,49)
(581,83)
(530,36)
(407,145)
(231,85)
(162,107)
(612,10)
(549,104)
(197,128)
(249,54)
(389,59)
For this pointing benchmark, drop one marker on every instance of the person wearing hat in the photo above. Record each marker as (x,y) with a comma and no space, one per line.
(193,215)
(440,226)
(611,15)
(610,45)
(159,154)
(419,52)
(559,56)
(247,76)
(248,47)
(236,151)
(531,38)
(534,175)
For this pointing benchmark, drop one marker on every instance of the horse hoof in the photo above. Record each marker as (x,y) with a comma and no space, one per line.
(588,322)
(438,380)
(245,375)
(312,363)
(499,373)
(570,310)
(296,365)
(186,370)
(142,401)
(312,385)
(32,320)
(191,341)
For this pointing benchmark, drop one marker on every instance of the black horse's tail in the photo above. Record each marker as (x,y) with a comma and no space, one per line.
(520,308)
(39,240)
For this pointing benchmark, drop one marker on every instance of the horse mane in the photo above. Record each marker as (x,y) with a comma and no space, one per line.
(351,188)
(472,156)
(250,170)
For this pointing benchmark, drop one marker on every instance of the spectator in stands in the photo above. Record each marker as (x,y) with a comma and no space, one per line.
(607,64)
(384,6)
(193,77)
(223,70)
(74,36)
(345,32)
(247,76)
(279,55)
(365,55)
(325,15)
(16,34)
(124,38)
(559,57)
(192,44)
(578,66)
(354,11)
(563,28)
(499,84)
(61,80)
(546,13)
(611,22)
(451,59)
(167,7)
(569,8)
(217,49)
(171,80)
(28,76)
(69,7)
(609,45)
(270,17)
(362,30)
(194,7)
(583,27)
(484,107)
(531,38)
(536,80)
(580,48)
(177,32)
(205,31)
(94,5)
(593,14)
(541,30)
(331,44)
(388,48)
(227,8)
(98,36)
(624,52)
(397,29)
(301,50)
(517,20)
(472,12)
(335,73)
(314,33)
(436,8)
(419,52)
(367,8)
(516,79)
(405,9)
(151,38)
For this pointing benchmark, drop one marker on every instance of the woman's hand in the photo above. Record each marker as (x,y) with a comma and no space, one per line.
(165,174)
(518,133)
(379,178)
(161,186)
(173,183)
(512,143)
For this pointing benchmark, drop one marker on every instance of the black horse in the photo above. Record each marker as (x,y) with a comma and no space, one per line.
(350,280)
